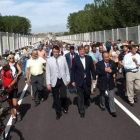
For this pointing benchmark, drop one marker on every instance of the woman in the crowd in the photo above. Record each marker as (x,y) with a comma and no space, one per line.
(11,60)
(9,80)
(114,54)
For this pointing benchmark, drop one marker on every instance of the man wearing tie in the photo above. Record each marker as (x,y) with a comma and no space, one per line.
(105,70)
(69,57)
(57,79)
(81,78)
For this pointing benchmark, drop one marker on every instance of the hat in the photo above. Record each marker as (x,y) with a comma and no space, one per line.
(6,51)
(119,40)
(3,62)
(124,44)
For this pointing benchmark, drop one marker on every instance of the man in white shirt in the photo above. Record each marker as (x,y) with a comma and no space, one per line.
(131,64)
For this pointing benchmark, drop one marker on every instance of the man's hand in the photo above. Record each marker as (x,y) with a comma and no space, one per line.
(93,81)
(110,70)
(49,87)
(135,60)
(74,84)
(68,83)
(107,69)
(28,81)
(137,66)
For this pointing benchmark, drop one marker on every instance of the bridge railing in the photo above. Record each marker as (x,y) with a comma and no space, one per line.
(128,33)
(12,42)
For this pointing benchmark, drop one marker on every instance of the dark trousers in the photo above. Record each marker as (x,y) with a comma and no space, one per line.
(37,85)
(83,96)
(59,90)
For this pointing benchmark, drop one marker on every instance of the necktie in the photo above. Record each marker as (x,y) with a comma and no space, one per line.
(58,69)
(71,60)
(108,75)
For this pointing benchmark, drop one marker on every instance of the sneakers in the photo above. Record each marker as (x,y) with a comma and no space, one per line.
(19,118)
(14,121)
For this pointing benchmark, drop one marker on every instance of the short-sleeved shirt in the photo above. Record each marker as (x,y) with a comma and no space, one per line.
(92,56)
(36,66)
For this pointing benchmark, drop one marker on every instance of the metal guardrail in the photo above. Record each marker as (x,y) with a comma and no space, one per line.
(11,41)
(128,33)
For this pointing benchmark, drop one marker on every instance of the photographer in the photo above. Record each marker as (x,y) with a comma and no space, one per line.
(9,80)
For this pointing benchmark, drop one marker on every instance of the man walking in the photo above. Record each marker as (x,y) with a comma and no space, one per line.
(105,70)
(81,78)
(57,79)
(35,68)
(131,65)
(69,57)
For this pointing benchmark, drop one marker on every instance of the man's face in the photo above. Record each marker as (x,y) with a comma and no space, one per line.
(86,50)
(132,43)
(71,51)
(101,49)
(134,50)
(112,43)
(55,53)
(125,48)
(94,49)
(119,42)
(68,47)
(40,48)
(106,57)
(82,52)
(35,55)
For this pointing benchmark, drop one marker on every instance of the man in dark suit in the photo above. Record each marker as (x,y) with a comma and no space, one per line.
(69,57)
(81,78)
(105,70)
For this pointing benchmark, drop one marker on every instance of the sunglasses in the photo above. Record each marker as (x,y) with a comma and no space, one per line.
(11,58)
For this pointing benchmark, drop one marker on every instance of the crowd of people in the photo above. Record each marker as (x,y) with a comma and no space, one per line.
(80,69)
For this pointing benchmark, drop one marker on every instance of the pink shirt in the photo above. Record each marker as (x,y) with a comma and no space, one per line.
(42,54)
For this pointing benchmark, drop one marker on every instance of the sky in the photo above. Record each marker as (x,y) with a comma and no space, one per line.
(45,15)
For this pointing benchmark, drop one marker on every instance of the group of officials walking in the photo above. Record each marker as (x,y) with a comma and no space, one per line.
(81,71)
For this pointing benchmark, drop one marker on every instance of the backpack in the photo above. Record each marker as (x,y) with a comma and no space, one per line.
(7,78)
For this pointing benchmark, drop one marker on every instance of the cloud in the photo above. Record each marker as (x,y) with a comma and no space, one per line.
(45,15)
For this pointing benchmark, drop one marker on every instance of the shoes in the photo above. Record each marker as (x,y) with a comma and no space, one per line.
(82,115)
(14,121)
(58,116)
(19,118)
(132,104)
(43,100)
(135,99)
(36,104)
(103,109)
(114,114)
(65,111)
(126,94)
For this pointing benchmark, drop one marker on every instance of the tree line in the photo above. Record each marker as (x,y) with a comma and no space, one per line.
(15,24)
(105,15)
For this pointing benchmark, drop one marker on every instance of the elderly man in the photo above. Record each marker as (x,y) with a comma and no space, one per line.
(57,79)
(35,68)
(131,65)
(105,70)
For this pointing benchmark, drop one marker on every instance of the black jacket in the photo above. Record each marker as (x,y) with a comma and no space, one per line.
(102,75)
(78,71)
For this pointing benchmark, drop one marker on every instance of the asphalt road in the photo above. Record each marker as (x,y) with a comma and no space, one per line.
(39,123)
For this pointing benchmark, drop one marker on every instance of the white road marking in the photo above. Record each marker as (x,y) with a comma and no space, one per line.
(132,116)
(9,124)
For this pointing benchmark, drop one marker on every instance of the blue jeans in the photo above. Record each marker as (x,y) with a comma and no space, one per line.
(24,74)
